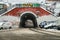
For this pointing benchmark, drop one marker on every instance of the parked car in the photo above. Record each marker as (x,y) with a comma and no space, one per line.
(51,25)
(5,25)
(48,24)
(42,24)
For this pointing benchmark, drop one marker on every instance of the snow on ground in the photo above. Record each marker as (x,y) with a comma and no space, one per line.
(53,30)
(16,20)
(29,23)
(12,19)
(58,20)
(46,18)
(9,18)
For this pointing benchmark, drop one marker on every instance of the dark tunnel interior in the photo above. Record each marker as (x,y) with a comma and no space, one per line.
(28,16)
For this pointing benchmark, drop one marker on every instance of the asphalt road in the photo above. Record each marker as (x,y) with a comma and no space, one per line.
(26,34)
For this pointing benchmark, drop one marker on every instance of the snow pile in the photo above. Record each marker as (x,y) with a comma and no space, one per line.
(46,18)
(58,21)
(28,23)
(9,18)
(53,30)
(12,19)
(52,24)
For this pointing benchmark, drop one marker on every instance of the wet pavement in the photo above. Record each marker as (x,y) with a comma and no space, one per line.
(26,34)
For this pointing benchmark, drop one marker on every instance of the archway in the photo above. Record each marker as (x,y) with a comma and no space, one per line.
(28,16)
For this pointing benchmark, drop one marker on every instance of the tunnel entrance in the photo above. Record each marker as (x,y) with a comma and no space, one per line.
(28,16)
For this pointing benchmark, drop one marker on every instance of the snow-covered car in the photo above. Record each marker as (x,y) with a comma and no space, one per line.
(48,24)
(5,25)
(51,25)
(42,24)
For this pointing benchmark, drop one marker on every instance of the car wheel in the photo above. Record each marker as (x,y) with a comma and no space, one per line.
(1,27)
(58,28)
(10,27)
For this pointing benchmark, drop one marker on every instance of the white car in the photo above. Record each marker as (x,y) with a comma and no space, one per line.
(48,24)
(5,25)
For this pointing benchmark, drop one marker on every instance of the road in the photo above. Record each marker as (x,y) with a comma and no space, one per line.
(26,34)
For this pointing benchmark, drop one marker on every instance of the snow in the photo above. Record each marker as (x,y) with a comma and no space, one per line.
(4,3)
(53,30)
(11,20)
(58,21)
(28,23)
(1,23)
(46,18)
(49,25)
(23,1)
